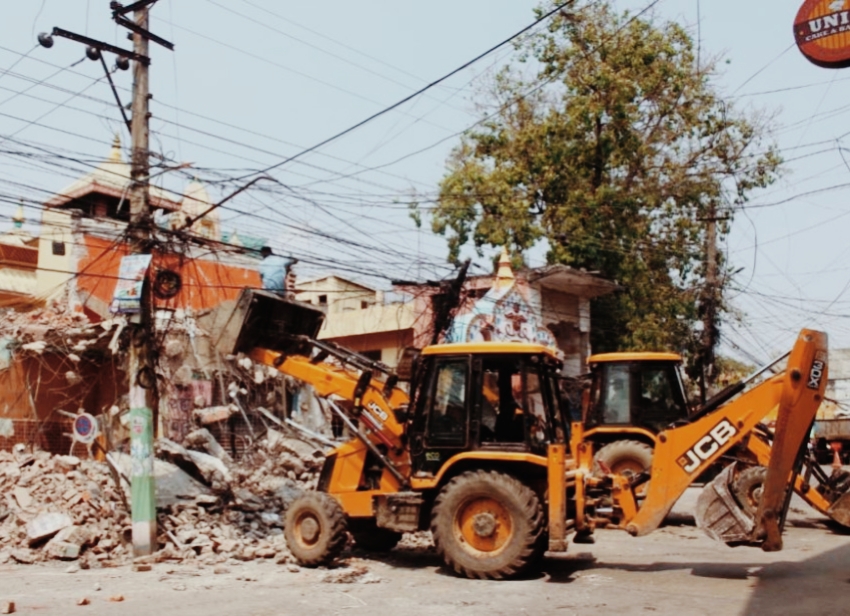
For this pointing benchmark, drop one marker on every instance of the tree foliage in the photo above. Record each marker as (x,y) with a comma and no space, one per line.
(608,141)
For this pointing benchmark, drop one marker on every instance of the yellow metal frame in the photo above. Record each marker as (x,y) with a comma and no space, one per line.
(615,430)
(427,483)
(479,348)
(633,356)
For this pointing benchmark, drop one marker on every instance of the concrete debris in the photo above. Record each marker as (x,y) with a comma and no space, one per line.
(35,347)
(212,470)
(214,414)
(46,524)
(202,440)
(54,324)
(62,550)
(211,509)
(116,598)
(83,601)
(22,495)
(8,607)
(25,557)
(355,574)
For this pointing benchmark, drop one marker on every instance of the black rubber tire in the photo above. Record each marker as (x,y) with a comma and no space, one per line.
(625,452)
(747,488)
(367,536)
(523,546)
(315,529)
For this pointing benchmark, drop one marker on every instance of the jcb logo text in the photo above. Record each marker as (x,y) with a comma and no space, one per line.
(816,373)
(707,446)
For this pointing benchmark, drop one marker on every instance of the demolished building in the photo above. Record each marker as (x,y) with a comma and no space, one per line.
(61,346)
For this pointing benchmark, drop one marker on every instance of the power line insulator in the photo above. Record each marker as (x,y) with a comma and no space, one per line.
(93,53)
(45,40)
(122,63)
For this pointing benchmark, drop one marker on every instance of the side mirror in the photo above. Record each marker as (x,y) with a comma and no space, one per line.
(407,364)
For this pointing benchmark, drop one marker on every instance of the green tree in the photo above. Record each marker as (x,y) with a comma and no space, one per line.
(609,142)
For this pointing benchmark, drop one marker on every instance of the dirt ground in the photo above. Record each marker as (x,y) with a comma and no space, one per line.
(675,571)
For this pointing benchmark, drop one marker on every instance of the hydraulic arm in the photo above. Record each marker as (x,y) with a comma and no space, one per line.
(683,453)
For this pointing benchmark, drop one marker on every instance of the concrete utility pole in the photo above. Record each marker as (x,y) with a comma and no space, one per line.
(141,370)
(708,368)
(142,374)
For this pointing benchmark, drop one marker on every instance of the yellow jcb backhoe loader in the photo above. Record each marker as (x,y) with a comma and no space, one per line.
(633,397)
(477,452)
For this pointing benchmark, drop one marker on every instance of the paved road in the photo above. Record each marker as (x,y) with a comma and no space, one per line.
(674,571)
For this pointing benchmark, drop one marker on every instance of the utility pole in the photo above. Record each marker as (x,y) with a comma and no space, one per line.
(142,375)
(708,307)
(141,369)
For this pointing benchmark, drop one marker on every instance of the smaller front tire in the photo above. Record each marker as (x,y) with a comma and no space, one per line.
(315,529)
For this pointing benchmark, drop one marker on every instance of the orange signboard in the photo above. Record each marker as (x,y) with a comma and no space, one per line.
(822,32)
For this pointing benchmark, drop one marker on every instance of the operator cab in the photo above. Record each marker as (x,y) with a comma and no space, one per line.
(636,389)
(484,397)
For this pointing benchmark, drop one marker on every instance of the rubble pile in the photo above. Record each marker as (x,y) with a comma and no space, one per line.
(54,324)
(59,507)
(210,508)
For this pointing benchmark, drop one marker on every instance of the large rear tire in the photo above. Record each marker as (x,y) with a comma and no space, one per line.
(747,488)
(625,457)
(487,525)
(315,529)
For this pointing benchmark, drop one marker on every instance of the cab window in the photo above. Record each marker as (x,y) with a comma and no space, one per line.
(660,400)
(614,394)
(447,418)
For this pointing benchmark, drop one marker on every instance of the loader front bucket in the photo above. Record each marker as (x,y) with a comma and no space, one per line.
(265,320)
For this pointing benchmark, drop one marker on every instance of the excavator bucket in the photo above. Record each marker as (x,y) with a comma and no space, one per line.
(840,510)
(266,320)
(836,489)
(719,514)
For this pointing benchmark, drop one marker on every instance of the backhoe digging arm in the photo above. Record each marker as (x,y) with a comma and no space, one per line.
(683,453)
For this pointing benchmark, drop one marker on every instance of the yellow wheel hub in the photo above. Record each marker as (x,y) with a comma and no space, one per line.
(307,529)
(484,524)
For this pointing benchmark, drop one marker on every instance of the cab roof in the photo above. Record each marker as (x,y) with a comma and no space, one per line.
(476,348)
(633,356)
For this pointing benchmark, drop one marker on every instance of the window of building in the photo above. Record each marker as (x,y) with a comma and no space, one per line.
(323,300)
(59,248)
(364,304)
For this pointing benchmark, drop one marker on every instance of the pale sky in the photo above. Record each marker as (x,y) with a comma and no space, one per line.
(253,81)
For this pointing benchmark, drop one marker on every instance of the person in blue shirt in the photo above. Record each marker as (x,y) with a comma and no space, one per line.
(275,272)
